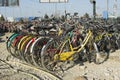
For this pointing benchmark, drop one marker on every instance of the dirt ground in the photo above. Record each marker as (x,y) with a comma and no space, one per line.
(109,70)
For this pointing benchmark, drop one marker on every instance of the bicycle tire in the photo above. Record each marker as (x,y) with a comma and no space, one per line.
(46,58)
(10,47)
(36,50)
(27,53)
(13,45)
(101,57)
(23,45)
(16,45)
(19,46)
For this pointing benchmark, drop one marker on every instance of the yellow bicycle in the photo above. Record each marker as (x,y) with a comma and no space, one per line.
(55,53)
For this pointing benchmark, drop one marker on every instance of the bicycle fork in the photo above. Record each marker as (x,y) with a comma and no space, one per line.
(97,50)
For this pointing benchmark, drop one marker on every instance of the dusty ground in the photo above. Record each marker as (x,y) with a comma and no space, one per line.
(109,70)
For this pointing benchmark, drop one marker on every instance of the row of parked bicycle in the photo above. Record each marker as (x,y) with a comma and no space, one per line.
(68,44)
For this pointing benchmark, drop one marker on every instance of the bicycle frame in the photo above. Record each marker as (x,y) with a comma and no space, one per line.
(68,55)
(99,37)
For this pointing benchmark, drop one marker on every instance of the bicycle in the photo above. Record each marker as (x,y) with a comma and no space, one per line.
(55,53)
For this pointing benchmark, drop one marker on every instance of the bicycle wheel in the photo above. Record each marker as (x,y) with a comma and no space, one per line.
(36,50)
(118,44)
(27,53)
(10,46)
(23,46)
(100,56)
(47,56)
(19,46)
(16,46)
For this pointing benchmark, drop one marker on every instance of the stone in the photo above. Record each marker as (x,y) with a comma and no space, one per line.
(83,67)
